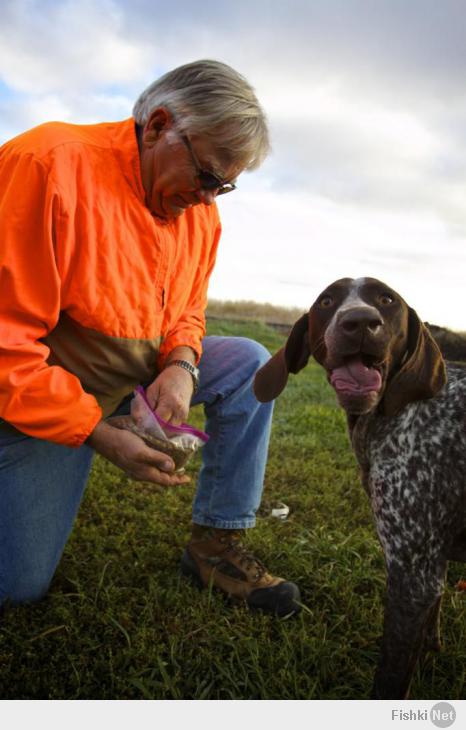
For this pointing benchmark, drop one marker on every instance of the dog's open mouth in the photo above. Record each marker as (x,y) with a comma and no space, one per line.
(357,377)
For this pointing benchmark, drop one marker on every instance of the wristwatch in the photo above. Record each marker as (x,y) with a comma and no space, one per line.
(192,369)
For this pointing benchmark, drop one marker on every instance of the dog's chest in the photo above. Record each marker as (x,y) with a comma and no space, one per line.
(415,467)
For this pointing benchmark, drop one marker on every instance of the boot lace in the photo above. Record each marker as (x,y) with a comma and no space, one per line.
(243,556)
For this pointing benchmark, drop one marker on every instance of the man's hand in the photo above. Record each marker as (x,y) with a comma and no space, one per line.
(170,394)
(130,453)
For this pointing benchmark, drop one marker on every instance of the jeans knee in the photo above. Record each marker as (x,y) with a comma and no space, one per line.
(253,353)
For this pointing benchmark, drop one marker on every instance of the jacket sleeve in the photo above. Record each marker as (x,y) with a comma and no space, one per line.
(39,400)
(190,327)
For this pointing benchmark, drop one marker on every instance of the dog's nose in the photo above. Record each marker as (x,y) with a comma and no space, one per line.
(361,320)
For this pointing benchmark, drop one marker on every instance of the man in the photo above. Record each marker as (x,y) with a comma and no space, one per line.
(108,236)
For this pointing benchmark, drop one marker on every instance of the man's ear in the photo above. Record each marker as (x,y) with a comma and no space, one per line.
(422,373)
(159,119)
(272,377)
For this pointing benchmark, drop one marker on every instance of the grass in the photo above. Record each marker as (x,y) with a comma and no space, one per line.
(120,622)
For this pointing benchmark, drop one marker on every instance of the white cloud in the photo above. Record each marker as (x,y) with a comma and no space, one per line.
(67,45)
(285,249)
(386,129)
(357,150)
(21,113)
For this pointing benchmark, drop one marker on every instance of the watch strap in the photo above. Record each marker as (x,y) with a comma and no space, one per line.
(186,365)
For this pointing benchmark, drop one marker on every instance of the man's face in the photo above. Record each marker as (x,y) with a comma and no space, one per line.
(169,171)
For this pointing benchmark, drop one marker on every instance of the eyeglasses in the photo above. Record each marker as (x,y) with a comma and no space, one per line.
(207,180)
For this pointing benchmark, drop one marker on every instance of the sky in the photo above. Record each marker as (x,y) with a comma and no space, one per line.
(366,103)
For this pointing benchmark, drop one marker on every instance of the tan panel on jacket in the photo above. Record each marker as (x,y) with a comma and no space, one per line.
(108,367)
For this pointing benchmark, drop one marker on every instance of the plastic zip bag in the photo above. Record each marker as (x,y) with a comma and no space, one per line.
(178,442)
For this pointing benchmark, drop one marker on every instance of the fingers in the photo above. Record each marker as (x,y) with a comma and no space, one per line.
(170,395)
(153,458)
(152,395)
(129,452)
(154,466)
(174,411)
(150,465)
(155,476)
(173,405)
(141,462)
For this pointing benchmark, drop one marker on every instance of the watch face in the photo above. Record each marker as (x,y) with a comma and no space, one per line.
(195,374)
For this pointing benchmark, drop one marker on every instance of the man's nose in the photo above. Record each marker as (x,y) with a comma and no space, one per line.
(208,196)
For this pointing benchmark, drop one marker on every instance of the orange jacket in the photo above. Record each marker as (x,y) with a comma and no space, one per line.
(94,291)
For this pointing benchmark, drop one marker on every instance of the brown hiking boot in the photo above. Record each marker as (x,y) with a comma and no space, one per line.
(217,557)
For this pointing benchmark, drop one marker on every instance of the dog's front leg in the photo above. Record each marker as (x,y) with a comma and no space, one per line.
(432,640)
(411,600)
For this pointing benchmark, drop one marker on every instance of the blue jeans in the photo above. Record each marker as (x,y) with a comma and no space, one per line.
(42,483)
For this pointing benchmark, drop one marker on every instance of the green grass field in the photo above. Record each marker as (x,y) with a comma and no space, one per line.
(120,622)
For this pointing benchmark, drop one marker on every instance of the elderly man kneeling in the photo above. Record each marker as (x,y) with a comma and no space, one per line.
(108,236)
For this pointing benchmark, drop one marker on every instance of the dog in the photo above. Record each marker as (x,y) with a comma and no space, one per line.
(406,412)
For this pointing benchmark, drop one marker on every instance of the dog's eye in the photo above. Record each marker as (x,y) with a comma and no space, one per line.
(386,299)
(326,302)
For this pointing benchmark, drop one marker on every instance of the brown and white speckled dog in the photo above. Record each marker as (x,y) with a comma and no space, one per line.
(406,411)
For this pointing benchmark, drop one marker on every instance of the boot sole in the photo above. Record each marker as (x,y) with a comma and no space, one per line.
(285,596)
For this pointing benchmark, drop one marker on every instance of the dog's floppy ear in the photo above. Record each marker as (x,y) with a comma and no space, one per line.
(421,374)
(272,377)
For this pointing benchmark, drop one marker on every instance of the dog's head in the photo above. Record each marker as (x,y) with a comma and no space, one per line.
(373,346)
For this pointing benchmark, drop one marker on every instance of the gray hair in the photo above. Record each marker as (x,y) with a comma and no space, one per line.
(211,99)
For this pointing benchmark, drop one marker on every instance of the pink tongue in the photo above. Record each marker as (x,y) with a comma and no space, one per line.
(354,377)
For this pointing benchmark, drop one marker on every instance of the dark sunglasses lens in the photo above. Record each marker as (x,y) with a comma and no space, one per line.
(209,181)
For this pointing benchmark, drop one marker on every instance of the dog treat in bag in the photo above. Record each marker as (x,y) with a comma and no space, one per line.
(178,442)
